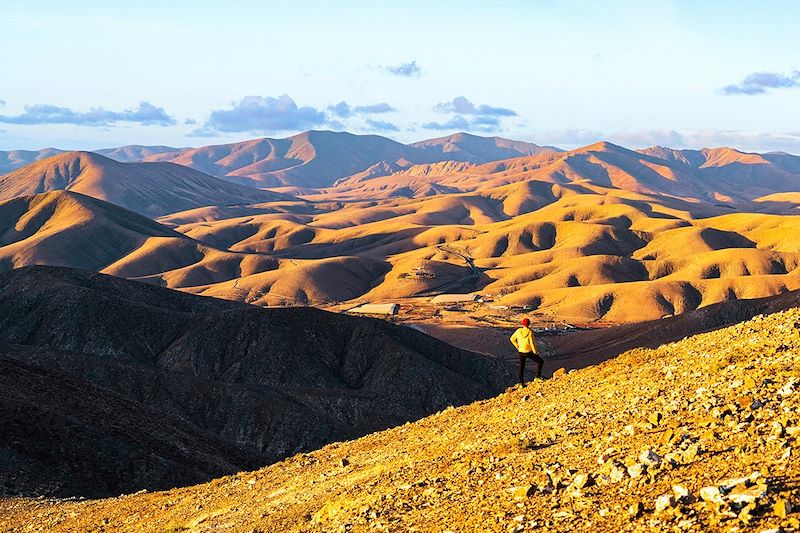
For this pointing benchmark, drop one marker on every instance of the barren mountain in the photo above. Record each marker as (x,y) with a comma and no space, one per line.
(238,382)
(722,175)
(697,435)
(134,152)
(320,158)
(601,233)
(475,149)
(310,159)
(13,159)
(149,188)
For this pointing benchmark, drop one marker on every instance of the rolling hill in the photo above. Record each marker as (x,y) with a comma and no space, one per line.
(111,385)
(601,233)
(153,189)
(63,228)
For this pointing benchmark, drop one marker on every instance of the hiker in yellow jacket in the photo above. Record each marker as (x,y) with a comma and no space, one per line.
(523,341)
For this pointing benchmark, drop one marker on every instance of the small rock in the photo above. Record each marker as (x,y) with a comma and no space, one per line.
(746,495)
(691,453)
(582,480)
(344,461)
(682,494)
(744,401)
(664,502)
(649,457)
(655,418)
(711,495)
(523,492)
(782,508)
(636,470)
(616,475)
(635,510)
(727,485)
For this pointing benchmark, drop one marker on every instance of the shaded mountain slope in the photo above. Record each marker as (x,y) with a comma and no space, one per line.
(266,383)
(64,436)
(149,188)
(695,435)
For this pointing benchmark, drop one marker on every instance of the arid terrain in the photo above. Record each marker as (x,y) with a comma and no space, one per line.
(182,320)
(697,435)
(601,234)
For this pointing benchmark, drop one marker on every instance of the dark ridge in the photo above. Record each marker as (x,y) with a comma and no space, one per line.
(91,363)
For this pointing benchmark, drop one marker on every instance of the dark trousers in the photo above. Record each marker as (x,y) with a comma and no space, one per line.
(538,361)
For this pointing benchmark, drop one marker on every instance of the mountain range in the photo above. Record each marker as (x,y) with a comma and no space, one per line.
(597,233)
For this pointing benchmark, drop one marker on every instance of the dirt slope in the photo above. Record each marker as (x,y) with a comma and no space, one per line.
(699,435)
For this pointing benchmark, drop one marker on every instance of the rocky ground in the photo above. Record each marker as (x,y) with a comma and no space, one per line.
(697,435)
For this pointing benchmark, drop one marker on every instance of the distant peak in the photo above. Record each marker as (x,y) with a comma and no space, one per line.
(602,146)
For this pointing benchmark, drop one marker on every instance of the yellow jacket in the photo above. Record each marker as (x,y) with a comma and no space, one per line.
(523,341)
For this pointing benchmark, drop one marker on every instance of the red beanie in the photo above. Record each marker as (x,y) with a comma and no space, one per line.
(526,322)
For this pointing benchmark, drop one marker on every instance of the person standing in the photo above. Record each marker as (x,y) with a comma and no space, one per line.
(523,341)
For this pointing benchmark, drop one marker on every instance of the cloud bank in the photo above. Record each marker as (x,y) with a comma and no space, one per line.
(469,116)
(463,106)
(146,114)
(345,110)
(761,82)
(259,114)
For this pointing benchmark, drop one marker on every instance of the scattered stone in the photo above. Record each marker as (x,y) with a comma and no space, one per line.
(746,495)
(616,475)
(711,495)
(664,502)
(582,480)
(654,418)
(649,457)
(682,494)
(523,492)
(727,485)
(782,508)
(636,470)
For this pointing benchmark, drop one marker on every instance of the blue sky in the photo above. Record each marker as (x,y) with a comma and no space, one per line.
(94,74)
